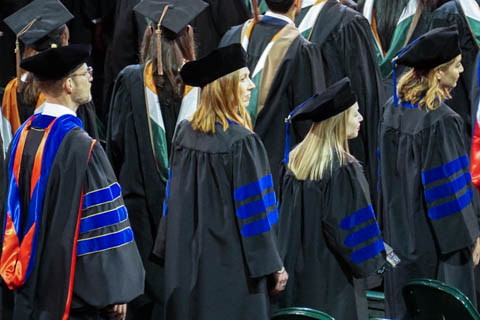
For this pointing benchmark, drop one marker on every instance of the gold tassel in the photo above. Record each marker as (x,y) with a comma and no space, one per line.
(159,42)
(17,52)
(255,10)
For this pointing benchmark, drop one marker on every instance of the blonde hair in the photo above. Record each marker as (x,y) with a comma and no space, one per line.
(424,87)
(313,157)
(219,102)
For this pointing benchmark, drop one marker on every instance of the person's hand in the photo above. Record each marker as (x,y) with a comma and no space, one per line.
(280,279)
(476,252)
(119,311)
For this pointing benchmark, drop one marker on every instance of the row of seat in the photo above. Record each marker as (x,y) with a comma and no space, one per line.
(426,299)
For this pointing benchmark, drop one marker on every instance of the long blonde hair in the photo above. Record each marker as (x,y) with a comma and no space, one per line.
(313,158)
(424,87)
(219,102)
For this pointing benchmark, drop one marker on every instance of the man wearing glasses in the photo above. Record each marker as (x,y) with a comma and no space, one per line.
(68,249)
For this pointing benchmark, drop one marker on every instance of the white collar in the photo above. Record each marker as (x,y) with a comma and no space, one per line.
(279,16)
(56,110)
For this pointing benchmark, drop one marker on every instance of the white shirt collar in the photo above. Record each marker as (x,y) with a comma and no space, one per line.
(56,110)
(279,16)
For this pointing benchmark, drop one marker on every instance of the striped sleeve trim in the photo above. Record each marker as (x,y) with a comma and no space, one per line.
(102,196)
(256,201)
(104,242)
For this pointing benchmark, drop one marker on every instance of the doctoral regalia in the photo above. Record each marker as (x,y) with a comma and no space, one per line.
(328,235)
(347,44)
(286,70)
(216,237)
(139,136)
(429,205)
(65,218)
(465,14)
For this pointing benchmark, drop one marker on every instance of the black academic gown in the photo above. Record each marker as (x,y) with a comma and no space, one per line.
(215,236)
(429,205)
(211,24)
(323,249)
(299,77)
(104,274)
(348,51)
(129,149)
(465,95)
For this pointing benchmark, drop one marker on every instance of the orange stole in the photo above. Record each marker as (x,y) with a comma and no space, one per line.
(10,105)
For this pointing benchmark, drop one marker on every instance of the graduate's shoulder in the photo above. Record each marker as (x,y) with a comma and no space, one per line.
(220,141)
(448,8)
(231,36)
(132,72)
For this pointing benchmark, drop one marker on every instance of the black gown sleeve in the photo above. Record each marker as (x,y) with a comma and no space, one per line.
(447,185)
(107,256)
(350,225)
(255,206)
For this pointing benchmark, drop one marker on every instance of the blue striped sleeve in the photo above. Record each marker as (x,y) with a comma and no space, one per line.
(101,196)
(104,242)
(451,207)
(252,189)
(445,170)
(256,207)
(357,218)
(449,188)
(362,235)
(260,226)
(367,252)
(103,219)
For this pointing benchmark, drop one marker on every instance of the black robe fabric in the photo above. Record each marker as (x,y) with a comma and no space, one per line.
(210,25)
(216,237)
(429,204)
(129,149)
(124,47)
(328,235)
(465,95)
(299,77)
(348,51)
(102,278)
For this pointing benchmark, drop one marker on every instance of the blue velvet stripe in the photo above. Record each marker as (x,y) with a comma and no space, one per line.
(445,171)
(103,219)
(256,207)
(165,210)
(357,218)
(257,227)
(365,253)
(100,196)
(253,189)
(448,188)
(362,235)
(451,207)
(104,242)
(167,193)
(273,20)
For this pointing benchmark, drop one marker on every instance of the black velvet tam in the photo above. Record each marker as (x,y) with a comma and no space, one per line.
(217,64)
(49,15)
(56,63)
(432,49)
(335,99)
(178,15)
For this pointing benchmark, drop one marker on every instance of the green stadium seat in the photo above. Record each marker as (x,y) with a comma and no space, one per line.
(300,314)
(428,299)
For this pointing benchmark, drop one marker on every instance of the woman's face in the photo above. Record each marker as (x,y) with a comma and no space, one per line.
(245,86)
(353,121)
(448,78)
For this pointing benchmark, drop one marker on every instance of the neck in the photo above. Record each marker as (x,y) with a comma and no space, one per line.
(64,101)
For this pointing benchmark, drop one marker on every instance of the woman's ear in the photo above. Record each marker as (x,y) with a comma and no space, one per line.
(439,75)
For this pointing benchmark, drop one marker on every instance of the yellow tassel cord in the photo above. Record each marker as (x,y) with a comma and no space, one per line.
(159,42)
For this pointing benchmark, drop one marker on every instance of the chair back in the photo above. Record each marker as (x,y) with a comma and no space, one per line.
(432,299)
(295,313)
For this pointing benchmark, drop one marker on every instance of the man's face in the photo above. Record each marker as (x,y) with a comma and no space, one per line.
(82,82)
